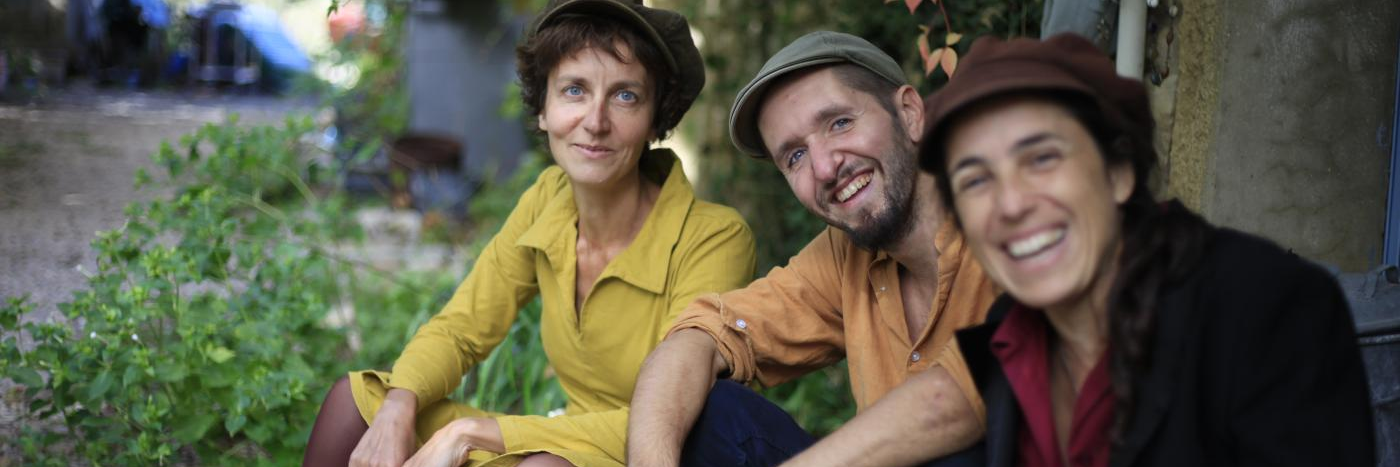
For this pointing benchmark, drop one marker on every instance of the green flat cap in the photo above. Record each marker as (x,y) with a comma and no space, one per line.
(815,48)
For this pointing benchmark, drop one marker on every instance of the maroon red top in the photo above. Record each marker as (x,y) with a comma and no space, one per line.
(1020,343)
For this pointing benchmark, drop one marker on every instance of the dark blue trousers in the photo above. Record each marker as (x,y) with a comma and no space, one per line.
(738,427)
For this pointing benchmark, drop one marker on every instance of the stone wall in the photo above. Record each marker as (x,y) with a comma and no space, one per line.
(1283,120)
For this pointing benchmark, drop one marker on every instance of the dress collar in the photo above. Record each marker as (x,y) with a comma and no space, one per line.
(646,261)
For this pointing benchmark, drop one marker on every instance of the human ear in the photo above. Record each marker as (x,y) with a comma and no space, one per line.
(910,108)
(1122,181)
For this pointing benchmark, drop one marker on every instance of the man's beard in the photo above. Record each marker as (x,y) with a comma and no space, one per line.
(891,224)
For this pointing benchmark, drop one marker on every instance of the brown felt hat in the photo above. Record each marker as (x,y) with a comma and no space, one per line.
(667,29)
(1062,63)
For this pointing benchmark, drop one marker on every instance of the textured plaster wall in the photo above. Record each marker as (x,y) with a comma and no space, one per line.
(1282,124)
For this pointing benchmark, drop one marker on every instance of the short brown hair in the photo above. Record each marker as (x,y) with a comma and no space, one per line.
(571,33)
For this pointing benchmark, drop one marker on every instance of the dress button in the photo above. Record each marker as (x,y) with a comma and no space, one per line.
(742,324)
(882,288)
(915,357)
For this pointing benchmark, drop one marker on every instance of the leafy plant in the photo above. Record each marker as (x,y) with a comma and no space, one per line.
(201,333)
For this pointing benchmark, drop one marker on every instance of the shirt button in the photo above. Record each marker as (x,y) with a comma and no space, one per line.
(915,357)
(742,324)
(882,288)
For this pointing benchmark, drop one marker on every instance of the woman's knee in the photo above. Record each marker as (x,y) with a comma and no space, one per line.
(340,396)
(342,385)
(544,459)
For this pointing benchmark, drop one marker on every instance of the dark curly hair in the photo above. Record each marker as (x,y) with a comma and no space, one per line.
(571,33)
(1160,245)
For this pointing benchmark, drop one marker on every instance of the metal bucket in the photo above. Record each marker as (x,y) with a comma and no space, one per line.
(1375,304)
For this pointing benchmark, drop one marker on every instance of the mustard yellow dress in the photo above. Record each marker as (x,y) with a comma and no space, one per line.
(685,248)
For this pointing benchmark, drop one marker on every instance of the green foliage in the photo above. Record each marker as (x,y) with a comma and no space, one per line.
(207,330)
(203,333)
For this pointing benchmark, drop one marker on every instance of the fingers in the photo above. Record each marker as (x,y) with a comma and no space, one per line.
(385,444)
(444,449)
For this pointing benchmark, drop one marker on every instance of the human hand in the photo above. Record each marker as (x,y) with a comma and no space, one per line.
(389,440)
(451,444)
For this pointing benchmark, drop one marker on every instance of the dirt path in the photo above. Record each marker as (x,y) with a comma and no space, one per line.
(66,171)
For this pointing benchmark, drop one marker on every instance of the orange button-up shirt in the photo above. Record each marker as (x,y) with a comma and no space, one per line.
(835,300)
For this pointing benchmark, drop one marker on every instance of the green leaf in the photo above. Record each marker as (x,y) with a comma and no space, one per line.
(99,386)
(26,376)
(234,423)
(219,376)
(191,428)
(171,371)
(131,376)
(221,354)
(261,433)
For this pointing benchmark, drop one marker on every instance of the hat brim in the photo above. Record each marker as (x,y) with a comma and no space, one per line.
(743,127)
(999,80)
(613,9)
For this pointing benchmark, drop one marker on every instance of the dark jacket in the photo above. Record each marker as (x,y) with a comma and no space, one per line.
(1254,363)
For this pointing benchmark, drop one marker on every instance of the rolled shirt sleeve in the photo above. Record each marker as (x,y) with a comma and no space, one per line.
(835,300)
(781,326)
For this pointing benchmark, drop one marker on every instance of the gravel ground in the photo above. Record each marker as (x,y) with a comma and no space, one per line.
(66,172)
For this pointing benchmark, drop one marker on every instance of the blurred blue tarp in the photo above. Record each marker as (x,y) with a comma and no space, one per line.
(154,13)
(262,27)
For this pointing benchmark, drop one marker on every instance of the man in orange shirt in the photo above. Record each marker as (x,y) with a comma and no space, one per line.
(884,286)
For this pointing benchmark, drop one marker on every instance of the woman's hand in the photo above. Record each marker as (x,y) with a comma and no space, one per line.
(450,445)
(389,440)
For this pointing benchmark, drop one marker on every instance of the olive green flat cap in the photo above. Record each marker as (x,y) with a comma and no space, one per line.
(812,49)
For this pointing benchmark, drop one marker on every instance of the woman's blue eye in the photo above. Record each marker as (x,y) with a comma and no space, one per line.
(573,91)
(627,96)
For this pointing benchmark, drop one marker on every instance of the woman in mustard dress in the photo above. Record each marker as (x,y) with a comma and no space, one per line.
(612,239)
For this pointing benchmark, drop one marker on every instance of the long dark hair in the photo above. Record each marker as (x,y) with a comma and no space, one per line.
(1161,243)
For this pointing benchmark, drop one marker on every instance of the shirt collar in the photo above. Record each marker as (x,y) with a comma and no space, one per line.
(646,263)
(1020,328)
(947,241)
(647,260)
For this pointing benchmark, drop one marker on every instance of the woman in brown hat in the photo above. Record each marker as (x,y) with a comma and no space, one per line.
(1131,332)
(611,239)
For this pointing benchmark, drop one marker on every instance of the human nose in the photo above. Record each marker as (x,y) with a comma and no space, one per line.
(598,120)
(1013,199)
(826,164)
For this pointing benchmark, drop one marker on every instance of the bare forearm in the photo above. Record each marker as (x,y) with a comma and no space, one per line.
(925,418)
(401,398)
(390,438)
(671,390)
